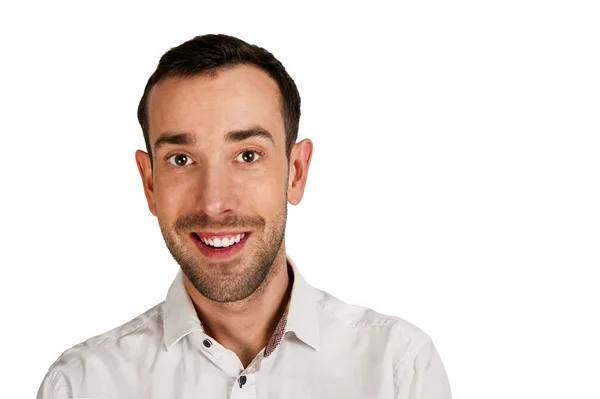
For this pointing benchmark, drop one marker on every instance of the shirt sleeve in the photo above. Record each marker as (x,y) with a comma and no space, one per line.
(423,378)
(49,389)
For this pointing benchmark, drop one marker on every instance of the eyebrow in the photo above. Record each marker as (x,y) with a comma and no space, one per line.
(256,132)
(188,140)
(167,138)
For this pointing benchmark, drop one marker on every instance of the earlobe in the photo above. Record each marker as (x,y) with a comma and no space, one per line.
(142,160)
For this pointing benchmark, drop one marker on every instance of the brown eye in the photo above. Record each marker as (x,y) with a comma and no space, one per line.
(178,160)
(248,156)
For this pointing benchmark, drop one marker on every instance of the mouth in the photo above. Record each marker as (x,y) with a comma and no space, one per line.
(220,245)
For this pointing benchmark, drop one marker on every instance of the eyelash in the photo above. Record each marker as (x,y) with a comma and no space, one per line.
(260,153)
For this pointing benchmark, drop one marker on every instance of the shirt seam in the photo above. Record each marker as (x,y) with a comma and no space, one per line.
(111,340)
(57,380)
(410,354)
(142,325)
(357,324)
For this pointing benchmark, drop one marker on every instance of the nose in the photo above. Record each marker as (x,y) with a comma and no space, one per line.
(216,194)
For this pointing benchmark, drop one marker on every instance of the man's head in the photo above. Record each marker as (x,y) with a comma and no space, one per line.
(206,55)
(220,120)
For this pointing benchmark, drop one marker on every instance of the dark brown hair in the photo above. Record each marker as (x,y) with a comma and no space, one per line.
(206,55)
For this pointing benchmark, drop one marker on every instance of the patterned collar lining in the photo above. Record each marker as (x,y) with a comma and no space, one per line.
(280,329)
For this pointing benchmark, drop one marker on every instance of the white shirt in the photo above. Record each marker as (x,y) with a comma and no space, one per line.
(322,348)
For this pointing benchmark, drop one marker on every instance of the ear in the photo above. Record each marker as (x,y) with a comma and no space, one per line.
(299,163)
(142,159)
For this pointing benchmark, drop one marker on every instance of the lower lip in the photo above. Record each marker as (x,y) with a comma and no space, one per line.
(219,253)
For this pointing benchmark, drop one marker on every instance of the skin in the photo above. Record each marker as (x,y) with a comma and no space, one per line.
(212,184)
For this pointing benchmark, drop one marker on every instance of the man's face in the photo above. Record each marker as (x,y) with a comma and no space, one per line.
(219,183)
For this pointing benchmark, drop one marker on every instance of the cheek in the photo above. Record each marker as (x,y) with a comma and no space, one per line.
(263,194)
(170,196)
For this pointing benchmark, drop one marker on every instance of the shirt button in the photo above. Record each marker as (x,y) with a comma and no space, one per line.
(207,343)
(242,380)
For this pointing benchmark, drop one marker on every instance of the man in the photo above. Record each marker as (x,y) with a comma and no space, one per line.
(220,121)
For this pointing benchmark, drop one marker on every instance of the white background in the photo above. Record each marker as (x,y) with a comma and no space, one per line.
(454,182)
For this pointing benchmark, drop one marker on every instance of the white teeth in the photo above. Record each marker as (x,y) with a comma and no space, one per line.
(224,242)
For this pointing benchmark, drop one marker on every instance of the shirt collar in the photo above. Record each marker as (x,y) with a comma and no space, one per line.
(180,317)
(302,317)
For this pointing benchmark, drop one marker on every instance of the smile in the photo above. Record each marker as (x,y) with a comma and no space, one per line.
(220,241)
(220,245)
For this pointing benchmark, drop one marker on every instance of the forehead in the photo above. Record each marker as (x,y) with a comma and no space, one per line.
(233,99)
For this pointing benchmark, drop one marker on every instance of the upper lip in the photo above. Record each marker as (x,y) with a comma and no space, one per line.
(214,233)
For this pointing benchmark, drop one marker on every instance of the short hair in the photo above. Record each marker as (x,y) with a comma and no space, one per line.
(206,55)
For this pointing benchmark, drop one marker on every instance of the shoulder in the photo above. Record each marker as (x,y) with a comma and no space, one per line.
(120,343)
(364,318)
(395,336)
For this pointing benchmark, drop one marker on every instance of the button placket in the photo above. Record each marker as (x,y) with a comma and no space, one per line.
(244,387)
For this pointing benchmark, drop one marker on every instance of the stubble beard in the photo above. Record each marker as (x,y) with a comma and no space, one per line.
(229,281)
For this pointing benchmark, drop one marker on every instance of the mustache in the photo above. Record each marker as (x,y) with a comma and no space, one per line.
(233,222)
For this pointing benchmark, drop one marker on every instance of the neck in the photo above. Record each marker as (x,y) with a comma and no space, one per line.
(246,326)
